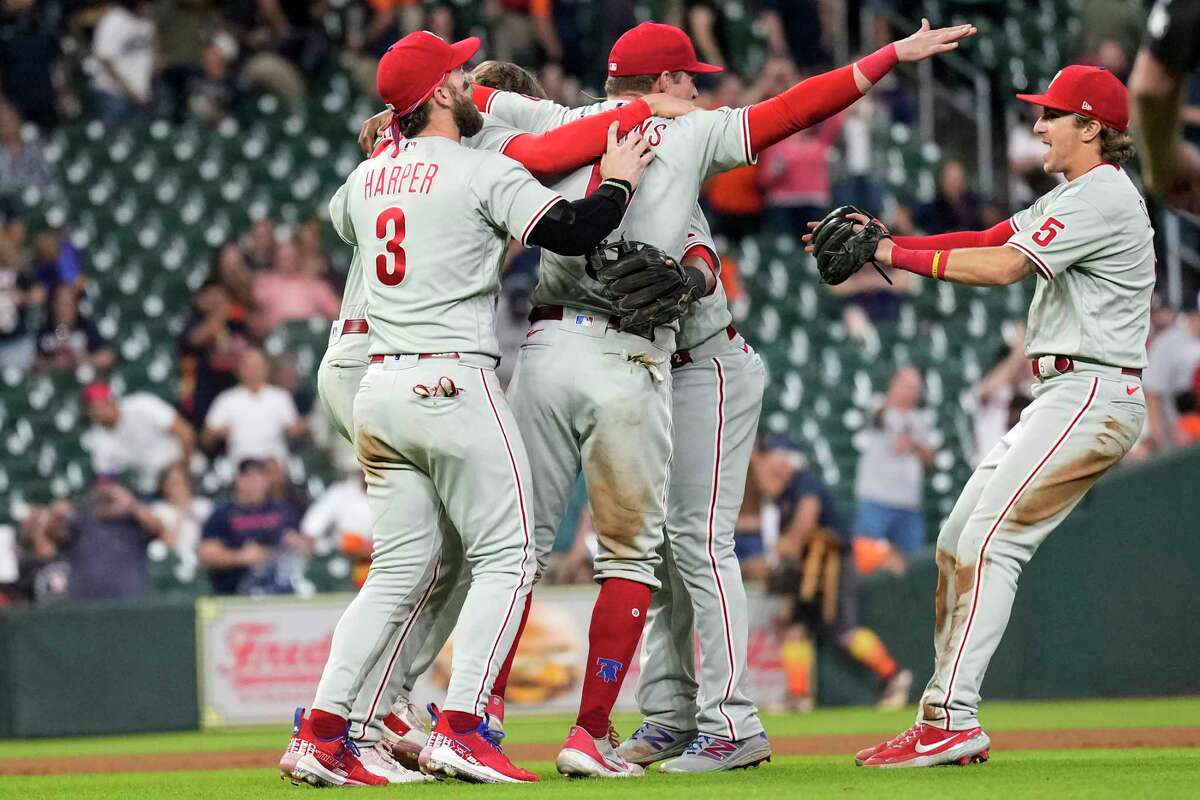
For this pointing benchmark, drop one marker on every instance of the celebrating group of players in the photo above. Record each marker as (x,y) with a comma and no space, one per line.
(633,374)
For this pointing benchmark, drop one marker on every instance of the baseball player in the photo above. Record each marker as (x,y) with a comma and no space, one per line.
(591,395)
(399,724)
(431,427)
(1090,243)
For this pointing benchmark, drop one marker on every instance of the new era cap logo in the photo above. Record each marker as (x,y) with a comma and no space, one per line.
(612,66)
(1087,106)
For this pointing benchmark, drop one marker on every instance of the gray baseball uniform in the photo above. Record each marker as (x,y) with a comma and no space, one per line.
(592,397)
(431,219)
(715,402)
(1091,243)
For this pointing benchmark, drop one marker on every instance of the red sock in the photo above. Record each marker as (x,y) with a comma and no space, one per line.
(501,684)
(617,622)
(325,725)
(461,721)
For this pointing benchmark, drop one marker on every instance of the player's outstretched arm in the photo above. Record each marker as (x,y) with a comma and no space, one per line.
(574,228)
(821,96)
(972,266)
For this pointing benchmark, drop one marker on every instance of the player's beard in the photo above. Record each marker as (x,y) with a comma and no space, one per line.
(466,116)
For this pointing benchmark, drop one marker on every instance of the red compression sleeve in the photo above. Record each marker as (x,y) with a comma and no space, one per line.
(702,252)
(927,263)
(813,99)
(574,144)
(482,95)
(992,237)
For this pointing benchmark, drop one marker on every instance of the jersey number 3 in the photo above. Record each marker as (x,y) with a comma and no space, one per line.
(1045,234)
(390,276)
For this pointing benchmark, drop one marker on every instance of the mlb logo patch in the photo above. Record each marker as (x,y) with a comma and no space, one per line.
(612,66)
(583,320)
(409,144)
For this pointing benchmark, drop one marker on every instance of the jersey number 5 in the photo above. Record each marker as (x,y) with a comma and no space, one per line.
(1045,234)
(393,275)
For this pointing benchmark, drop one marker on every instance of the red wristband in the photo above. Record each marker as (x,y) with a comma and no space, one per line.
(929,263)
(879,63)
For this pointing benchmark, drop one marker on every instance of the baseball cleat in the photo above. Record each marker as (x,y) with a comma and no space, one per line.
(895,692)
(378,760)
(653,742)
(475,757)
(333,762)
(585,757)
(926,746)
(297,747)
(710,754)
(404,733)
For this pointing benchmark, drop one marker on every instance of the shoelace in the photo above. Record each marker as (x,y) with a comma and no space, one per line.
(640,732)
(613,738)
(348,745)
(906,737)
(492,737)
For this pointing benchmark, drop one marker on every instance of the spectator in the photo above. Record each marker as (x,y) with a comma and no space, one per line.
(1027,180)
(29,51)
(817,578)
(794,175)
(954,207)
(796,29)
(733,199)
(253,419)
(758,525)
(212,94)
(896,449)
(184,27)
(102,539)
(68,339)
(228,269)
(20,298)
(22,164)
(858,185)
(259,245)
(340,521)
(1187,427)
(288,292)
(522,31)
(250,545)
(310,250)
(140,435)
(212,344)
(1173,355)
(56,261)
(181,512)
(123,46)
(706,24)
(869,299)
(1003,393)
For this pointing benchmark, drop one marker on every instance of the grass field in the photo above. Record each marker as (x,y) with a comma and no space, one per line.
(1147,771)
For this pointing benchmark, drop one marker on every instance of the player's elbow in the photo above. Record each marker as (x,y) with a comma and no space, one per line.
(1012,266)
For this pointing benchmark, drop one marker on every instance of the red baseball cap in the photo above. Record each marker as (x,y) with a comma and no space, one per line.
(651,48)
(96,392)
(412,68)
(1093,92)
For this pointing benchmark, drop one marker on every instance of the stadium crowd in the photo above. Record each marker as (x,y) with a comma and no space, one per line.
(239,412)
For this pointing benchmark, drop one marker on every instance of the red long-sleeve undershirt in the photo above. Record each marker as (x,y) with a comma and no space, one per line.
(993,237)
(812,100)
(705,254)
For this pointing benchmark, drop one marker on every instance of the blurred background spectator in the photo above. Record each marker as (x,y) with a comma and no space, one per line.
(293,289)
(254,419)
(954,207)
(1004,392)
(96,546)
(29,54)
(339,521)
(181,512)
(213,343)
(250,544)
(1174,357)
(123,48)
(139,435)
(68,339)
(22,163)
(897,447)
(816,576)
(21,299)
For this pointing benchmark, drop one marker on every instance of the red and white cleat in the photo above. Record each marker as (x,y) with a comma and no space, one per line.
(584,757)
(475,757)
(404,733)
(297,747)
(332,762)
(926,746)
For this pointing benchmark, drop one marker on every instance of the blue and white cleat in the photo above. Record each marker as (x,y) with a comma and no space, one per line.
(710,754)
(652,742)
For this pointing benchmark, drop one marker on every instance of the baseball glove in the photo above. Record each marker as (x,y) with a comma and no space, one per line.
(647,287)
(840,250)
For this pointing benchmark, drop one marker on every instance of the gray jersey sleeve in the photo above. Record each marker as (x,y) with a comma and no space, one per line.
(339,215)
(494,136)
(530,114)
(1069,230)
(721,138)
(510,199)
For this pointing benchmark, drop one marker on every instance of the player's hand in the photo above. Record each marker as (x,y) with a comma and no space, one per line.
(669,106)
(625,161)
(926,42)
(370,130)
(1184,194)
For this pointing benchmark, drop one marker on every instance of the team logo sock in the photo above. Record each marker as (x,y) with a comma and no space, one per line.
(617,621)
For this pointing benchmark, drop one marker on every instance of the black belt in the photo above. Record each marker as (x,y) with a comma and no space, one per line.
(682,357)
(1066,364)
